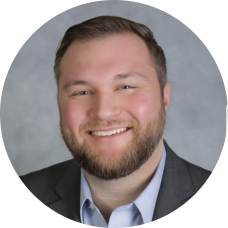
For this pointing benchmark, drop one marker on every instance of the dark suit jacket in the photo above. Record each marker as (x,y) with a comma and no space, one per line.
(58,186)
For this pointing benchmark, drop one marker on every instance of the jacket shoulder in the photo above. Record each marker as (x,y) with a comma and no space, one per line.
(42,181)
(197,174)
(51,172)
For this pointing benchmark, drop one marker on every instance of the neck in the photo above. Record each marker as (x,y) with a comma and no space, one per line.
(108,195)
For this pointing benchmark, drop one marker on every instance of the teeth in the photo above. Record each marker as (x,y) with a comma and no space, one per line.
(108,133)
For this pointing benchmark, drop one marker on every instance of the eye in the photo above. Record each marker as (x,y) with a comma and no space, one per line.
(79,93)
(128,86)
(82,93)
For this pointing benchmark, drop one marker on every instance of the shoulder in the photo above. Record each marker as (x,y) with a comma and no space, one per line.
(51,172)
(197,174)
(42,181)
(36,184)
(182,168)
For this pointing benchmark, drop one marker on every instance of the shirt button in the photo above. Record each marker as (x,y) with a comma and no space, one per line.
(91,206)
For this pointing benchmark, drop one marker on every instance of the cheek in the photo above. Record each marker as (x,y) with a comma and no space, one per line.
(144,107)
(72,116)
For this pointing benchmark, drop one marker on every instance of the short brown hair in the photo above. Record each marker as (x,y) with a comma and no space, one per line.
(102,26)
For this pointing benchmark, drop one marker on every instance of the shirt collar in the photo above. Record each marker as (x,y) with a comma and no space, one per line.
(84,193)
(145,206)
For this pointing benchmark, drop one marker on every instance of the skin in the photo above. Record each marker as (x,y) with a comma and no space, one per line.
(103,100)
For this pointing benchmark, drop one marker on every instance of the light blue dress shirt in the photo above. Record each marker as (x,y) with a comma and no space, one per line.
(137,213)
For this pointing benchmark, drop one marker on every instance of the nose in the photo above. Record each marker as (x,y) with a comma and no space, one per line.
(105,107)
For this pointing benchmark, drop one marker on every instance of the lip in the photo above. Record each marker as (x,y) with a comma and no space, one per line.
(110,136)
(108,129)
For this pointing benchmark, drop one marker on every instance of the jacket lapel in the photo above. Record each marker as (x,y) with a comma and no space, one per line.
(68,190)
(176,186)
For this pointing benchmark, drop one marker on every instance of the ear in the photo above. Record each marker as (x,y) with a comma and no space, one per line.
(166,95)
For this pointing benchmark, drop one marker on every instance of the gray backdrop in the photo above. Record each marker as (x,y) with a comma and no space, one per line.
(196,121)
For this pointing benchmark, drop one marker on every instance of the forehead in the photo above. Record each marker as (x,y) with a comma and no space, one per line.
(122,52)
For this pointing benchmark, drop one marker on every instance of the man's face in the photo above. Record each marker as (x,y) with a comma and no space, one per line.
(112,112)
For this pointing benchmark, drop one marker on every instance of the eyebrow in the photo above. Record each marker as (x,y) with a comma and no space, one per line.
(116,77)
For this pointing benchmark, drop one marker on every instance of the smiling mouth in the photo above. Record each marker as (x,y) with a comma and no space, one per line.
(108,136)
(109,133)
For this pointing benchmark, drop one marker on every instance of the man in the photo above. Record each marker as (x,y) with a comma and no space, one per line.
(113,96)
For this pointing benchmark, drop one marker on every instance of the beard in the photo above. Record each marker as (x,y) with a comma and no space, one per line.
(139,150)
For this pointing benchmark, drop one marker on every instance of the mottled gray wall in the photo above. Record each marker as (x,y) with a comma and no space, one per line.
(29,113)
